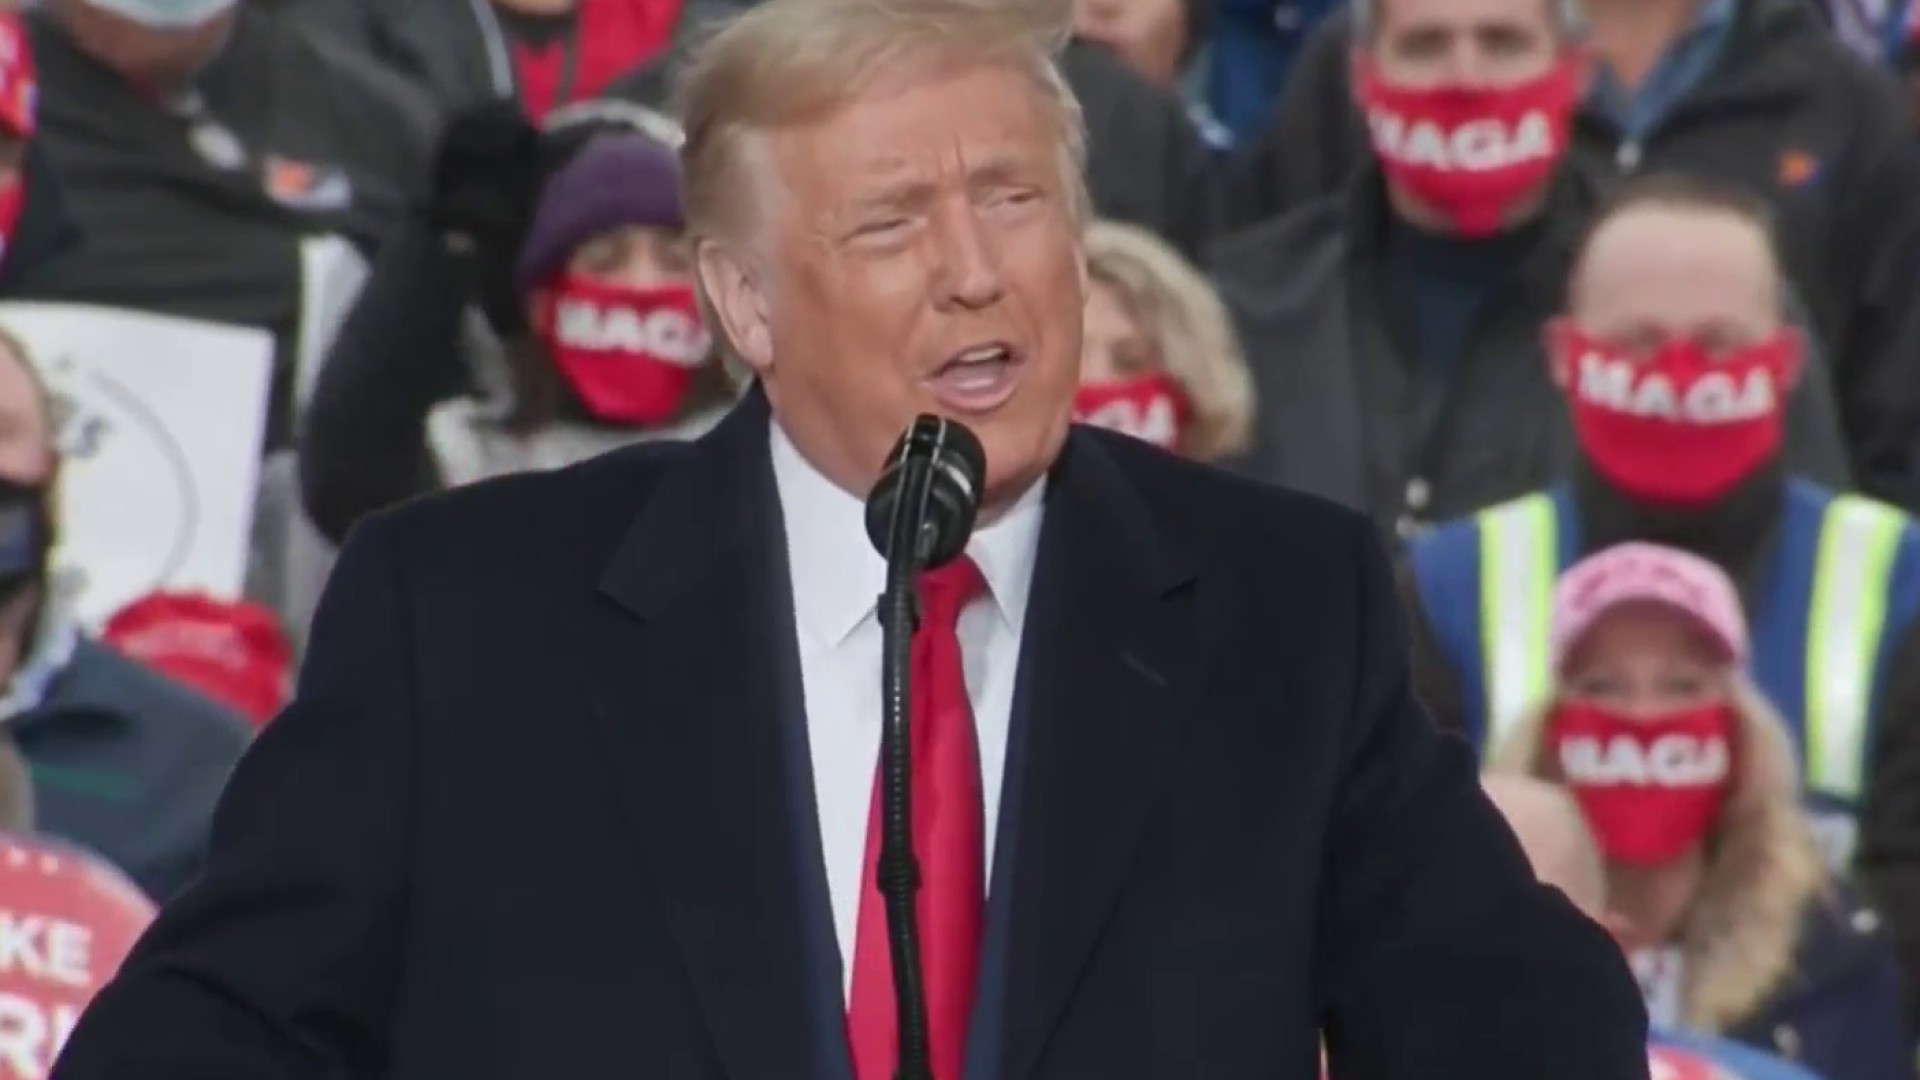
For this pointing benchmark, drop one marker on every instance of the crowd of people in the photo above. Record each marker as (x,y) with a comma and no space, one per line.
(1606,311)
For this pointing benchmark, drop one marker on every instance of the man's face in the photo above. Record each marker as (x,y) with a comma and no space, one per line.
(920,253)
(1463,43)
(26,436)
(1657,274)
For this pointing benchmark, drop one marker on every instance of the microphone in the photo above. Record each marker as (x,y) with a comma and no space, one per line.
(919,516)
(941,507)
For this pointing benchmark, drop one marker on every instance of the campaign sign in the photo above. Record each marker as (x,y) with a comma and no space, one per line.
(159,422)
(67,920)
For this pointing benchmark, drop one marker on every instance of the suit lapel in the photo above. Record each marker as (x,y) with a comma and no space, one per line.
(695,679)
(1106,658)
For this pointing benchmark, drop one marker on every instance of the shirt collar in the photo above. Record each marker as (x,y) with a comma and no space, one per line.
(837,574)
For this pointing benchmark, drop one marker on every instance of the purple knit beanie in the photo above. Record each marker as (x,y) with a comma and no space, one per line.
(614,180)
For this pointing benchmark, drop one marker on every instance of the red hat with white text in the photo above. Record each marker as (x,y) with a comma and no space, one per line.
(232,652)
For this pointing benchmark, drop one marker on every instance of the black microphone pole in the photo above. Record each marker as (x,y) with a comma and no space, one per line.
(899,868)
(920,516)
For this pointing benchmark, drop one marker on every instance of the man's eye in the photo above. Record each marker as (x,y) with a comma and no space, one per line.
(881,227)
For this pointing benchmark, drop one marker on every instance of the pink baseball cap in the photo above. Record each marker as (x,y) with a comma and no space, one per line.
(1626,573)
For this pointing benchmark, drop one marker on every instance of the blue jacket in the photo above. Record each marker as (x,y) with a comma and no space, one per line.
(1251,51)
(1841,1014)
(128,764)
(1742,1061)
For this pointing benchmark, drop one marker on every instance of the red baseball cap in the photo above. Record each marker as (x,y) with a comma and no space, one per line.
(232,651)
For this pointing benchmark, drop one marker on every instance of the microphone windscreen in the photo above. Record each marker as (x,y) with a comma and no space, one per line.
(955,465)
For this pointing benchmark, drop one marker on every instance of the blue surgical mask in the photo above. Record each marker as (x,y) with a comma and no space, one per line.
(165,14)
(26,535)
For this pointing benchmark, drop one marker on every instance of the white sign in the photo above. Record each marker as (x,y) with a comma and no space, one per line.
(332,272)
(160,421)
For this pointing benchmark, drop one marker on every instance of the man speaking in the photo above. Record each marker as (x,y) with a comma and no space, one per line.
(579,778)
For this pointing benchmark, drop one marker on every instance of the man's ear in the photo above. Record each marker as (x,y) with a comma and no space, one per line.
(737,302)
(1556,340)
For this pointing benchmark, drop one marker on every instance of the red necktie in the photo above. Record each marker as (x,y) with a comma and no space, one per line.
(948,823)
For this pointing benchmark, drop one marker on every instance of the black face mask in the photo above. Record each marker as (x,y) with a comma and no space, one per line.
(26,536)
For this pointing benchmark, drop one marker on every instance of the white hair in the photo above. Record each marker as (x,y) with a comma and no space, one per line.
(786,61)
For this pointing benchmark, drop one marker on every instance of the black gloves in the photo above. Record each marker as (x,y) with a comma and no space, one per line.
(486,178)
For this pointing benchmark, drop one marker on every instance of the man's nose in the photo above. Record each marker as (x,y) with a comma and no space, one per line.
(970,262)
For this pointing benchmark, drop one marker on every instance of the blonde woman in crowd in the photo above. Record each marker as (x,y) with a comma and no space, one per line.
(1553,831)
(1715,885)
(1159,359)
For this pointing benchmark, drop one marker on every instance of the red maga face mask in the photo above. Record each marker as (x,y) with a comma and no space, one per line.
(19,81)
(13,199)
(630,354)
(1471,153)
(19,97)
(1650,788)
(1150,407)
(1680,427)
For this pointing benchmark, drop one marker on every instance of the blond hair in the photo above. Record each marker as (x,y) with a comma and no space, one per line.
(1741,933)
(1189,327)
(782,62)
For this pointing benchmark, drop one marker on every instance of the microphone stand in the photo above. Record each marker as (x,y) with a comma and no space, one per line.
(899,870)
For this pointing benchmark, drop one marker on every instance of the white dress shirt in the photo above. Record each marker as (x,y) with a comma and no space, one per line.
(837,578)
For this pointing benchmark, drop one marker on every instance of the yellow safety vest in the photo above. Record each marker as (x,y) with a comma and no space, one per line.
(1853,569)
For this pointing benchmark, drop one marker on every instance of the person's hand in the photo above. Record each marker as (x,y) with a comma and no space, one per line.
(486,174)
(486,178)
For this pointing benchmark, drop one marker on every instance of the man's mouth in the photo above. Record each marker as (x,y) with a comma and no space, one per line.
(977,379)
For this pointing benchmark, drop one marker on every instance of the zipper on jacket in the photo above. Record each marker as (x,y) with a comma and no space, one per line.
(1705,101)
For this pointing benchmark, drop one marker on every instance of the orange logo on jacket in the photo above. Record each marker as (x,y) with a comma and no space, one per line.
(288,179)
(1798,168)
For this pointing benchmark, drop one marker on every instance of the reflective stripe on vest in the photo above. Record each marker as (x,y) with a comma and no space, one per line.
(1519,561)
(1853,570)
